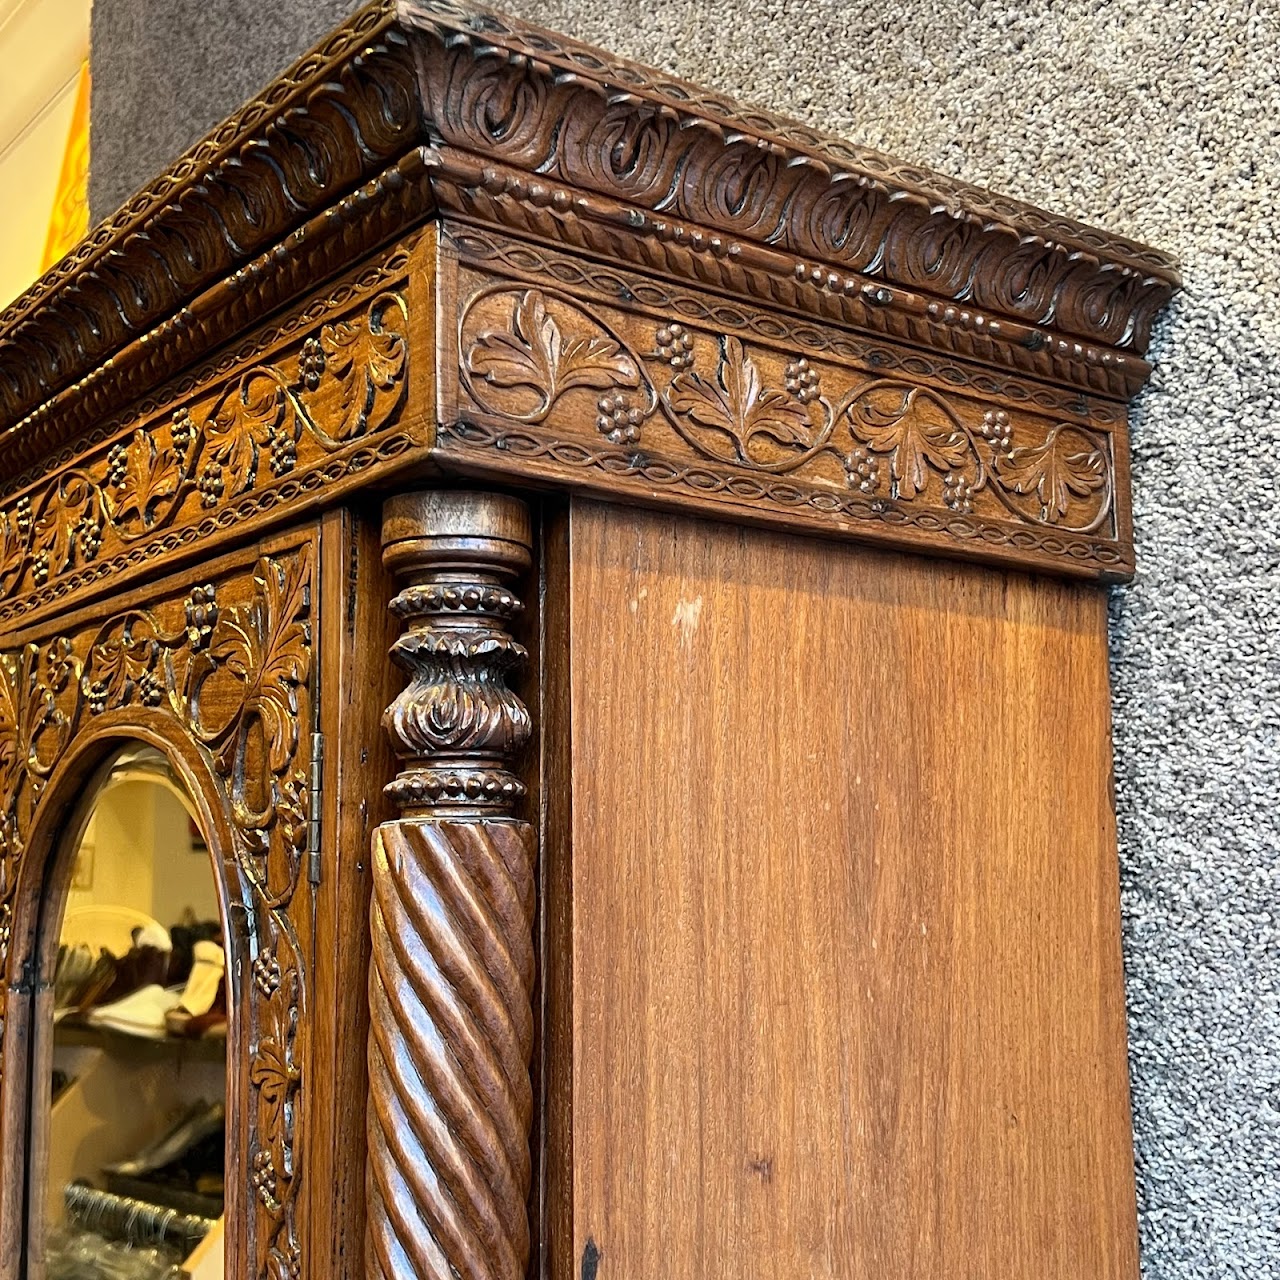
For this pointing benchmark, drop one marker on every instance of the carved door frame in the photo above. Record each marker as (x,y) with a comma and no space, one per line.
(216,667)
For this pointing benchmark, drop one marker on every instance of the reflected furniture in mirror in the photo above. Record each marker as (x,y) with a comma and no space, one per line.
(586,605)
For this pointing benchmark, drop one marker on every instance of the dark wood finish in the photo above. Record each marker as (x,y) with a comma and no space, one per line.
(451,983)
(445,246)
(846,975)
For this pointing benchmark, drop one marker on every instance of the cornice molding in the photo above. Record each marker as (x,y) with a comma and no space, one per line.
(599,173)
(705,182)
(670,146)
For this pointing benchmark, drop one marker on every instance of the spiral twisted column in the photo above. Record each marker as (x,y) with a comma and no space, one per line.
(451,981)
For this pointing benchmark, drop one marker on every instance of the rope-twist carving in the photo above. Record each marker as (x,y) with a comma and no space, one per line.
(451,982)
(451,1035)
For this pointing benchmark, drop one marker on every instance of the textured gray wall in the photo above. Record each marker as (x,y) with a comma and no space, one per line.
(1161,123)
(166,71)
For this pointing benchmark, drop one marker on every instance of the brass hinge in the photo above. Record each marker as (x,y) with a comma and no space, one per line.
(314,800)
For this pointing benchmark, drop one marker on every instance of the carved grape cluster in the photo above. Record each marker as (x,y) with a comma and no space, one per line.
(201,614)
(311,363)
(22,516)
(996,430)
(117,465)
(675,346)
(150,690)
(88,534)
(97,694)
(863,470)
(183,430)
(264,1180)
(619,419)
(210,484)
(957,491)
(284,453)
(266,973)
(801,380)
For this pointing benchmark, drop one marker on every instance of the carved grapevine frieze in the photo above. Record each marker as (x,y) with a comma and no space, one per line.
(492,252)
(750,408)
(342,383)
(230,662)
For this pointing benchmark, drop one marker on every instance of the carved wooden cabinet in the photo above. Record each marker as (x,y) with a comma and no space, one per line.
(621,577)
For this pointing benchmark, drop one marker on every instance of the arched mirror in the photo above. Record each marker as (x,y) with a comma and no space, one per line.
(128,1124)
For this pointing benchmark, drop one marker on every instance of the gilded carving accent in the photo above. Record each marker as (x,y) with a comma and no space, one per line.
(672,390)
(230,661)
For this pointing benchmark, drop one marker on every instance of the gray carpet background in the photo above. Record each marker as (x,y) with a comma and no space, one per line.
(1162,123)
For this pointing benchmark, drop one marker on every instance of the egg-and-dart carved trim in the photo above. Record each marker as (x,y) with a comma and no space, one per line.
(479,188)
(489,31)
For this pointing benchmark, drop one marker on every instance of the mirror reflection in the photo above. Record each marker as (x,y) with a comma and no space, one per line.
(131,1151)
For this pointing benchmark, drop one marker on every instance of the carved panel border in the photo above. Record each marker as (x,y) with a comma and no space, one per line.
(227,663)
(732,408)
(487,191)
(320,395)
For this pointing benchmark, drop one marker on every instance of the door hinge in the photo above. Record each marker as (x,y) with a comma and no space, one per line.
(314,800)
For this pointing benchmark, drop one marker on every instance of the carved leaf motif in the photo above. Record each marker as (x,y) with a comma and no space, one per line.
(9,761)
(275,1075)
(735,404)
(917,433)
(1067,465)
(117,666)
(267,646)
(54,535)
(537,354)
(152,474)
(363,364)
(242,425)
(12,552)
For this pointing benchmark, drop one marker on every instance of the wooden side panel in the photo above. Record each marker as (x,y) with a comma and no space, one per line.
(846,964)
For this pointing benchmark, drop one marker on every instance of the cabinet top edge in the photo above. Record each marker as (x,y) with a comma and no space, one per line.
(436,106)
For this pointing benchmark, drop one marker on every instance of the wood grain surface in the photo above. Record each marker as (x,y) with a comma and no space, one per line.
(846,975)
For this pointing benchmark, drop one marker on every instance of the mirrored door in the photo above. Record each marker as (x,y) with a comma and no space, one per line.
(128,1133)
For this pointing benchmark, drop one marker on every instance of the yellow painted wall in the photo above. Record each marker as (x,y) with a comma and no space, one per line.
(42,46)
(142,856)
